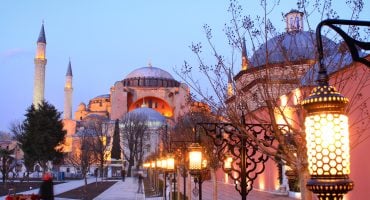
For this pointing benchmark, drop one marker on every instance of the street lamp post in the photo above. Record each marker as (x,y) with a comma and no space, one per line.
(326,124)
(181,147)
(240,155)
(197,165)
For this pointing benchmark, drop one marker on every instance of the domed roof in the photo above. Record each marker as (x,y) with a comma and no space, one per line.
(103,96)
(152,114)
(290,47)
(149,72)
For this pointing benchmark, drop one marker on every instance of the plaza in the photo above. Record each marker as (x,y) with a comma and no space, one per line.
(127,190)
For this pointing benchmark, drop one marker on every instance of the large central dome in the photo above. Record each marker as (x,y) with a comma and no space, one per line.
(150,77)
(149,72)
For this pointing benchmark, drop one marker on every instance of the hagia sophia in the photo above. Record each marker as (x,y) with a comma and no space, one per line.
(148,90)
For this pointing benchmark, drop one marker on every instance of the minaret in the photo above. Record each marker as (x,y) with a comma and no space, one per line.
(244,56)
(230,88)
(68,89)
(40,63)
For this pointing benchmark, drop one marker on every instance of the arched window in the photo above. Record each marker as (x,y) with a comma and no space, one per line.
(297,22)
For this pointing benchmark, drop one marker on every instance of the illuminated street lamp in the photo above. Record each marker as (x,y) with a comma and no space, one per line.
(152,164)
(159,164)
(195,158)
(228,163)
(164,163)
(197,165)
(170,163)
(326,125)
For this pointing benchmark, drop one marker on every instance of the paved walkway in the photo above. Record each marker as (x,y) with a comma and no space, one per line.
(122,190)
(127,191)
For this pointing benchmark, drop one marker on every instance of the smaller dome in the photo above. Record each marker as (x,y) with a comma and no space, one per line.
(81,107)
(293,46)
(149,72)
(153,115)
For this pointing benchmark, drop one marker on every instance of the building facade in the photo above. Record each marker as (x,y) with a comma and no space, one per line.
(283,77)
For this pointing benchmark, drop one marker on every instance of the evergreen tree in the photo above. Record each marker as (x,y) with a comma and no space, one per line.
(43,135)
(116,147)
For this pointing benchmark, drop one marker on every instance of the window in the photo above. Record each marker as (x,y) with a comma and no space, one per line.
(297,22)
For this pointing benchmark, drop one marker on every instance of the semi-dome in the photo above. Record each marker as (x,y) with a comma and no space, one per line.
(149,72)
(150,77)
(290,47)
(149,113)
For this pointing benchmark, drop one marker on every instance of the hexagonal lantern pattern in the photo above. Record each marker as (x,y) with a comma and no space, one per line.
(328,145)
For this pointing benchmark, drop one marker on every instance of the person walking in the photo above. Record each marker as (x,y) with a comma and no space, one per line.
(140,182)
(46,191)
(123,174)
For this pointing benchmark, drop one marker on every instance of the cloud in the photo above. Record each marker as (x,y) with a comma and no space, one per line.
(12,52)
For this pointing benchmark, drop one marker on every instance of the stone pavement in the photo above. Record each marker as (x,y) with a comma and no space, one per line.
(123,191)
(228,192)
(127,191)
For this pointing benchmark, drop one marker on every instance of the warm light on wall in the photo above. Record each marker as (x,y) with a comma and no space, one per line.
(297,96)
(230,90)
(283,100)
(262,184)
(226,178)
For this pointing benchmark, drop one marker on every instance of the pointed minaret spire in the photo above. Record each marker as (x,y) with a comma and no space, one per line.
(69,69)
(40,63)
(68,89)
(230,88)
(42,38)
(244,56)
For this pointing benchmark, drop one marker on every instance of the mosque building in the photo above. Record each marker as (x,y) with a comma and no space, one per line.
(148,90)
(287,74)
(150,86)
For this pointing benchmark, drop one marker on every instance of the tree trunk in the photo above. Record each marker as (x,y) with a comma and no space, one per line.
(303,178)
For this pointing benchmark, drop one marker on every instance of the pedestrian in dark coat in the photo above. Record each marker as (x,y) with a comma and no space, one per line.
(140,183)
(47,187)
(123,174)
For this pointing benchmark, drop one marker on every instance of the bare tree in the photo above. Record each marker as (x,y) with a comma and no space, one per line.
(7,162)
(17,129)
(135,137)
(185,129)
(98,129)
(258,91)
(83,155)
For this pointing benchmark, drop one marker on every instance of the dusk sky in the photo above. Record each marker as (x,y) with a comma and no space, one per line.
(105,41)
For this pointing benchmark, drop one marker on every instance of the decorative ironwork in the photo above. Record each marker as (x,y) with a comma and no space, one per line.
(247,159)
(327,124)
